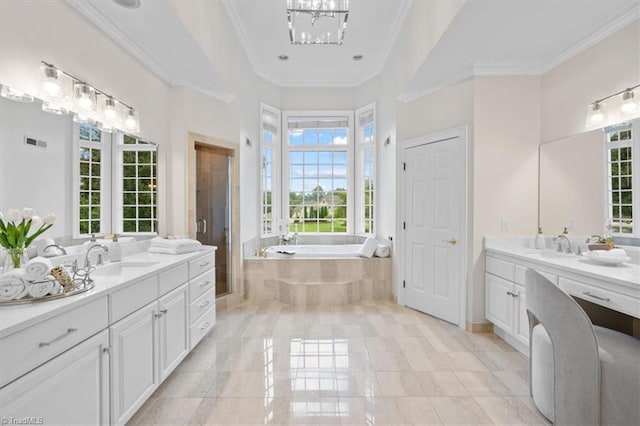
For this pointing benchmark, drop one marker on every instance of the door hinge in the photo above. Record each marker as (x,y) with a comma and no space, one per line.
(404,225)
(404,166)
(404,284)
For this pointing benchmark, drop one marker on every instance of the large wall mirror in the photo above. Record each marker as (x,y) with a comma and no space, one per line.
(577,176)
(94,181)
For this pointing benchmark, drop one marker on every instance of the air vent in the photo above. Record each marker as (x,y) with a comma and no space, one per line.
(34,142)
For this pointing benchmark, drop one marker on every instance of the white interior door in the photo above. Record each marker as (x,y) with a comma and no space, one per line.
(434,214)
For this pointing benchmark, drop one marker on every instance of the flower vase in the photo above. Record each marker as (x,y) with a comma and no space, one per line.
(15,258)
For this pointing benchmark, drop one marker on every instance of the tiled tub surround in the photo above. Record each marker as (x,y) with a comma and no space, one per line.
(317,282)
(609,294)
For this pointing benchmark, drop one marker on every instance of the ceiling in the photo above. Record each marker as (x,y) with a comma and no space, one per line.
(517,37)
(372,29)
(490,37)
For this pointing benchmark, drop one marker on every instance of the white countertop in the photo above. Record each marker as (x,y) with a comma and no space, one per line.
(625,275)
(17,317)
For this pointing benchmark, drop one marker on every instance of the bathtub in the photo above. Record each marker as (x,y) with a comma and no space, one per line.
(314,251)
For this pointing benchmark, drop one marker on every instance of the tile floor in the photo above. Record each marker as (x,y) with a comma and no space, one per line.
(363,364)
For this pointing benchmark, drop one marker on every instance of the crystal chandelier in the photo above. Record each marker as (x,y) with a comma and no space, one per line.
(317,21)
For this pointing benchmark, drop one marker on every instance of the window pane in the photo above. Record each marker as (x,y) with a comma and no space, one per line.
(139,185)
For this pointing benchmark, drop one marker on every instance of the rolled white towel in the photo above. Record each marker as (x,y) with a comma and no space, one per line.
(40,289)
(57,288)
(382,251)
(368,248)
(609,254)
(37,268)
(185,242)
(12,285)
(176,250)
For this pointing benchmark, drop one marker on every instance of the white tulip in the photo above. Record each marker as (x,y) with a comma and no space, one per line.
(49,219)
(27,213)
(13,215)
(36,221)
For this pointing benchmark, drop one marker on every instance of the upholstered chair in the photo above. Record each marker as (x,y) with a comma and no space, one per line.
(581,374)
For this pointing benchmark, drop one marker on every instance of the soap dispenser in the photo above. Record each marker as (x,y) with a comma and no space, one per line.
(539,242)
(115,252)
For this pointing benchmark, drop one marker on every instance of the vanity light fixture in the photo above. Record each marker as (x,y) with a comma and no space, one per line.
(89,103)
(15,94)
(317,21)
(613,109)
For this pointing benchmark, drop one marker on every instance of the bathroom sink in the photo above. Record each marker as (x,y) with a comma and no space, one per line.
(553,254)
(121,268)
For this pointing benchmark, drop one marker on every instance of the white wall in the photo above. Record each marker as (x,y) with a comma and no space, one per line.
(31,176)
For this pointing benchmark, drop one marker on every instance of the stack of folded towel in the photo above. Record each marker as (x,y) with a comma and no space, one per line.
(185,245)
(371,248)
(17,283)
(609,254)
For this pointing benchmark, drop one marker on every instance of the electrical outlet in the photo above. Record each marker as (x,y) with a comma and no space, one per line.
(571,224)
(505,225)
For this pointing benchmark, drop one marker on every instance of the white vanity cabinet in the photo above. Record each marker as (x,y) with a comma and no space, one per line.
(202,307)
(72,388)
(506,299)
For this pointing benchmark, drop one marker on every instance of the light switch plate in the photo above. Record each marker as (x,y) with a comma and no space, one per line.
(505,224)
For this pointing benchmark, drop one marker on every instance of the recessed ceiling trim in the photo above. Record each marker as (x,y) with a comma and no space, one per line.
(465,74)
(486,68)
(599,34)
(108,27)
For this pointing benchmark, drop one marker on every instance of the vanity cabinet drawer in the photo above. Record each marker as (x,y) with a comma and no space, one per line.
(28,348)
(132,298)
(202,284)
(173,278)
(521,274)
(202,326)
(201,305)
(200,264)
(501,268)
(616,301)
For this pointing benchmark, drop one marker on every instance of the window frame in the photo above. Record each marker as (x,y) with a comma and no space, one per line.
(105,145)
(634,144)
(276,174)
(359,168)
(285,150)
(117,172)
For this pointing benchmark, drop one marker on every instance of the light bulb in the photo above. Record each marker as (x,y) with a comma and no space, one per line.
(628,103)
(595,114)
(109,110)
(132,123)
(51,83)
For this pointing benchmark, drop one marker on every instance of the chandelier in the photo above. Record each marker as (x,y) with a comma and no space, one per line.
(317,21)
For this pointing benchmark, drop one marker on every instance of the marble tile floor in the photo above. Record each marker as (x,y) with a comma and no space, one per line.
(375,363)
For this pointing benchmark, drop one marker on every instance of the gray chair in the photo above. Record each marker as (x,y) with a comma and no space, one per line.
(581,374)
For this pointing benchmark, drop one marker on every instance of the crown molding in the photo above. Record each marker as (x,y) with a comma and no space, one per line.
(599,34)
(486,68)
(465,74)
(101,21)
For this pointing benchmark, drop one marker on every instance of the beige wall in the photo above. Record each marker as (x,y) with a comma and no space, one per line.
(605,68)
(506,139)
(572,184)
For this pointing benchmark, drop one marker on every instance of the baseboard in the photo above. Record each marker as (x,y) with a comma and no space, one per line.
(479,327)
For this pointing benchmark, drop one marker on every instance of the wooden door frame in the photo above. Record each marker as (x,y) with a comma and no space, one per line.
(457,132)
(235,281)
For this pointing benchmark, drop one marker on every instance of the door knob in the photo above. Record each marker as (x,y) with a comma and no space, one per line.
(452,241)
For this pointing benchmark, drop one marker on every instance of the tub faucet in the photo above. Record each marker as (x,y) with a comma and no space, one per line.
(56,246)
(87,262)
(558,239)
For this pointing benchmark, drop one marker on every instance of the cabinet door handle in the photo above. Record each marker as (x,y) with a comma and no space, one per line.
(205,325)
(604,299)
(509,293)
(206,283)
(204,264)
(62,336)
(164,311)
(205,303)
(105,350)
(158,315)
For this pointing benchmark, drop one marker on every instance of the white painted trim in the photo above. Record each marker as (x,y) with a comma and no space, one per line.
(100,20)
(359,149)
(611,27)
(261,70)
(483,68)
(276,173)
(457,132)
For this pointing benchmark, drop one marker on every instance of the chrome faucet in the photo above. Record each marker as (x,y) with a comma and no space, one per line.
(56,246)
(589,239)
(563,237)
(87,262)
